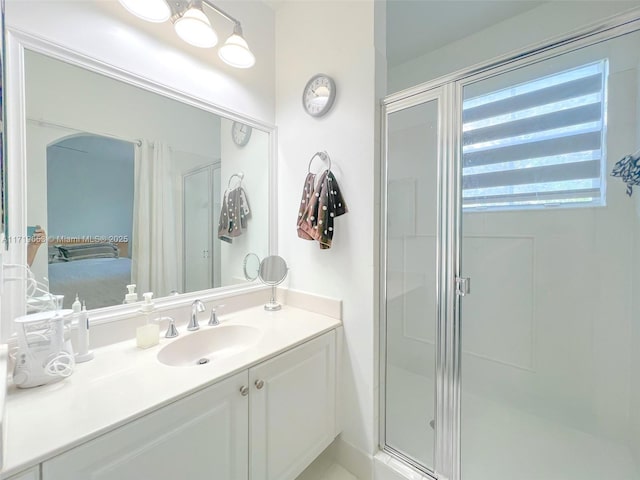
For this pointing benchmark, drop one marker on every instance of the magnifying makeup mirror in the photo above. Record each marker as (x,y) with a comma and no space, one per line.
(273,271)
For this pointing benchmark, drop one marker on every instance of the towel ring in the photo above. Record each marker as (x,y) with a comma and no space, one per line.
(324,156)
(239,175)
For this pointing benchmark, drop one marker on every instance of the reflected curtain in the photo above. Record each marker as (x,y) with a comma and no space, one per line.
(154,260)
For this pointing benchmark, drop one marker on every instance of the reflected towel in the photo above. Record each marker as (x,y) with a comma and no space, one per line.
(233,215)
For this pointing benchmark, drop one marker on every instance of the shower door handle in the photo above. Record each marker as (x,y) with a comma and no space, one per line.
(463,286)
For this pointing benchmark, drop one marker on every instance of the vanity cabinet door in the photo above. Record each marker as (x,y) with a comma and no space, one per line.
(204,436)
(31,474)
(292,409)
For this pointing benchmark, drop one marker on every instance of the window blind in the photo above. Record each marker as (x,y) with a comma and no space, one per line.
(538,143)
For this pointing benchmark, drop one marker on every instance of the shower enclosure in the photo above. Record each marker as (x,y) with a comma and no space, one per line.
(510,269)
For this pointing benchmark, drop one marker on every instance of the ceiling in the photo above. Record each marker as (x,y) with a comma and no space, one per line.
(416,27)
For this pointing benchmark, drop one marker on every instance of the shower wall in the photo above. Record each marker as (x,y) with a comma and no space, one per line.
(634,438)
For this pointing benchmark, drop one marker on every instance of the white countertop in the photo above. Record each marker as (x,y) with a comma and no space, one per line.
(124,382)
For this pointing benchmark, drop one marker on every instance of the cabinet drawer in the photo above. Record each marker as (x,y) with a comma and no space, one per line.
(31,474)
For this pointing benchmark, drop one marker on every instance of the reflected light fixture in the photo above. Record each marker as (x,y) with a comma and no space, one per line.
(193,26)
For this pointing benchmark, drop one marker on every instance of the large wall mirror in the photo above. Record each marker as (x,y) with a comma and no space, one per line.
(132,187)
(3,156)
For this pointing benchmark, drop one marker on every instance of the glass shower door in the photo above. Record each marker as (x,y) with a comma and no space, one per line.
(550,333)
(411,266)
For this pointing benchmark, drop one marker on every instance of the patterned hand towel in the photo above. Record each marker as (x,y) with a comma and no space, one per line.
(319,207)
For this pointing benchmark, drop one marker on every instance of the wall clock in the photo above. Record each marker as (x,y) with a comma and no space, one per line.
(318,95)
(240,133)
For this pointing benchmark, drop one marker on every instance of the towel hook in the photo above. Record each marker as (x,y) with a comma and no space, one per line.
(324,156)
(240,175)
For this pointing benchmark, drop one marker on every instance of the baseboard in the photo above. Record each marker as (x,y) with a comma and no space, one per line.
(320,465)
(353,459)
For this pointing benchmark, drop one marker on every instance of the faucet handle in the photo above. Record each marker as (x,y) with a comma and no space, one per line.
(213,319)
(172,331)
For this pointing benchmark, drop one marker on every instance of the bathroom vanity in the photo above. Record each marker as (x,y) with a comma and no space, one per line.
(264,413)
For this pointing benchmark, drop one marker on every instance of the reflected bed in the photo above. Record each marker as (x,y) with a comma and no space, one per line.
(95,272)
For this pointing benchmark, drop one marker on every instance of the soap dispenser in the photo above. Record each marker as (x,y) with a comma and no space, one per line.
(149,334)
(132,296)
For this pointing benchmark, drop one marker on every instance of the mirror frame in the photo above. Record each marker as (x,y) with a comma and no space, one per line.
(16,44)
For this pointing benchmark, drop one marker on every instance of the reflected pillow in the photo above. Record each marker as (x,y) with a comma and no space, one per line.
(82,251)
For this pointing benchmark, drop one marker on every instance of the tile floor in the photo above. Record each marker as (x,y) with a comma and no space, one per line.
(336,472)
(489,429)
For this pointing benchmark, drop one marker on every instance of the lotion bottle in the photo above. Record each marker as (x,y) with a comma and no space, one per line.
(76,307)
(149,334)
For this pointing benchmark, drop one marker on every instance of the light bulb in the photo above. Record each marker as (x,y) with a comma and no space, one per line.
(235,51)
(194,28)
(156,11)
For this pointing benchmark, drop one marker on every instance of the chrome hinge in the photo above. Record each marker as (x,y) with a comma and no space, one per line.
(463,286)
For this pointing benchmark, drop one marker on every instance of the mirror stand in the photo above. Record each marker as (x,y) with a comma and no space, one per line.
(272,305)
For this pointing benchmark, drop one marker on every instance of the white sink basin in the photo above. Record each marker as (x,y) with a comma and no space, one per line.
(208,345)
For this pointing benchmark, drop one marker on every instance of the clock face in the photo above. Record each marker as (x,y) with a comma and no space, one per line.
(240,133)
(318,95)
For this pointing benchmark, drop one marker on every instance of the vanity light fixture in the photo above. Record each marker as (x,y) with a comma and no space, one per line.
(235,51)
(193,26)
(156,11)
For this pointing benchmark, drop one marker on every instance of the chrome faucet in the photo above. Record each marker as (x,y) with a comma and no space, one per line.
(196,306)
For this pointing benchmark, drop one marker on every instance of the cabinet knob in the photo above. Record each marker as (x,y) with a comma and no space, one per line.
(244,391)
(259,384)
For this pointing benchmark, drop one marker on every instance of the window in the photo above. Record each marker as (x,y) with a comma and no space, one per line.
(537,144)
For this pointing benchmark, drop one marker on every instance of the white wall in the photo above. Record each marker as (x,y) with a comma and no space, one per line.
(549,20)
(336,38)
